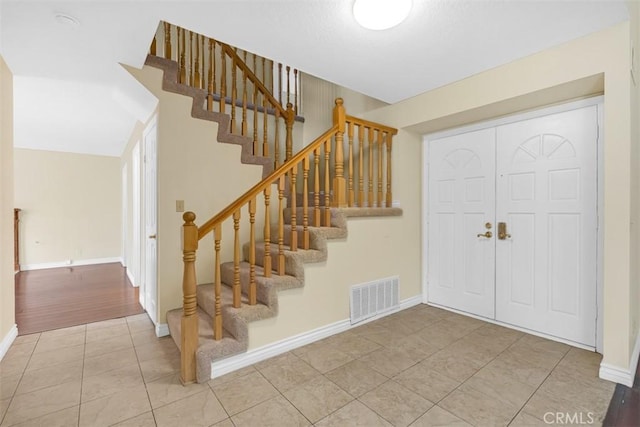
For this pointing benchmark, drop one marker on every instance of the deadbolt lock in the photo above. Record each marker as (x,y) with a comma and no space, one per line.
(488,226)
(502,231)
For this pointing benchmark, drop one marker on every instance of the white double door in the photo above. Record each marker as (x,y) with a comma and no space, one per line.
(512,223)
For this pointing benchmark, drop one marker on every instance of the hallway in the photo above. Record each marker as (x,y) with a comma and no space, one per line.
(61,297)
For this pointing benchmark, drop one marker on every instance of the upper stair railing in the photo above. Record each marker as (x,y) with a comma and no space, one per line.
(237,83)
(369,172)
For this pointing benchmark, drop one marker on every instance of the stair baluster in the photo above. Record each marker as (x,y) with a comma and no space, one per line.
(167,40)
(217,320)
(293,205)
(316,187)
(212,73)
(305,202)
(327,183)
(281,183)
(350,171)
(379,170)
(234,93)
(370,202)
(252,252)
(223,81)
(361,130)
(236,260)
(389,197)
(267,232)
(197,78)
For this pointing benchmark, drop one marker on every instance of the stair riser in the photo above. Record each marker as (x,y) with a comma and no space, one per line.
(311,219)
(292,263)
(287,233)
(227,273)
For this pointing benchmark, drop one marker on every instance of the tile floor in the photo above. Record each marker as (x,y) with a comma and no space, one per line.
(420,367)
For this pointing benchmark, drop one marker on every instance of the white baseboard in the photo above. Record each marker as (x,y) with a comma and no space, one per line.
(516,328)
(622,376)
(8,340)
(162,330)
(130,277)
(69,263)
(233,363)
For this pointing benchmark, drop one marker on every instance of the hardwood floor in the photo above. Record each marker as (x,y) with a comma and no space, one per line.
(624,408)
(61,297)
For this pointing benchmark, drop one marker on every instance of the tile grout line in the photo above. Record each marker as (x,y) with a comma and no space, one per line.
(21,377)
(538,388)
(135,351)
(478,370)
(84,355)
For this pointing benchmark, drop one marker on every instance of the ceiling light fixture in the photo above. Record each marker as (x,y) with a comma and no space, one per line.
(67,20)
(381,14)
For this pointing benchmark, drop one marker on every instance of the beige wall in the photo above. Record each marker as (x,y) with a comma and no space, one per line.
(318,100)
(7,299)
(192,167)
(571,70)
(132,255)
(634,299)
(71,206)
(374,249)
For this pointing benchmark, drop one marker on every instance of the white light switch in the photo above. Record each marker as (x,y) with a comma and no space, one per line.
(179,205)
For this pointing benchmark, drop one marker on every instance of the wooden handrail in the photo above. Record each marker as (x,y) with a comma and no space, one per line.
(237,84)
(227,212)
(274,248)
(369,124)
(254,79)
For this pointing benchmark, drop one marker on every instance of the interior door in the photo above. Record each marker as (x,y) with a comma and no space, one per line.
(461,251)
(151,229)
(547,197)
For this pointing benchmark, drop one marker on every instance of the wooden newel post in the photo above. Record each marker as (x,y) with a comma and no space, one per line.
(339,182)
(289,119)
(189,336)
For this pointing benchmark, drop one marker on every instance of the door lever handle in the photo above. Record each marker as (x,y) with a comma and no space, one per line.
(502,231)
(153,236)
(488,235)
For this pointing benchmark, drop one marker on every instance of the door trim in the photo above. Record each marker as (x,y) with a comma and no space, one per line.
(517,117)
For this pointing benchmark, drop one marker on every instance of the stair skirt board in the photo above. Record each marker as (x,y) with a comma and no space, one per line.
(233,363)
(375,297)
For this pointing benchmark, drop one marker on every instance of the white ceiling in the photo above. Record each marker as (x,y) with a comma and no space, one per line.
(71,94)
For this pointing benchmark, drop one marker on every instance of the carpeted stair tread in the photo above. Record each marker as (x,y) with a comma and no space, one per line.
(316,234)
(231,315)
(293,260)
(265,286)
(205,327)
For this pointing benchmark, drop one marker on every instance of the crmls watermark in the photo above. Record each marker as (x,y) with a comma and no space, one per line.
(573,418)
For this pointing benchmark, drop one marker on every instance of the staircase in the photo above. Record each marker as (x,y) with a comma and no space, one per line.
(302,202)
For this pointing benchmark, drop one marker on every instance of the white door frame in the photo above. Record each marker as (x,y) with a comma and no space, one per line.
(136,234)
(125,214)
(599,101)
(150,305)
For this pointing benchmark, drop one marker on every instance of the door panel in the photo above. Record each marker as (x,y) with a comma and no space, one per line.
(461,271)
(151,215)
(546,193)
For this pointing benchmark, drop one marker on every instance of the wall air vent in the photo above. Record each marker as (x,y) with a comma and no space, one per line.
(372,298)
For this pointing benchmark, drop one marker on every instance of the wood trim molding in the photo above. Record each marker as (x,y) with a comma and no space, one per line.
(72,263)
(8,339)
(234,363)
(621,375)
